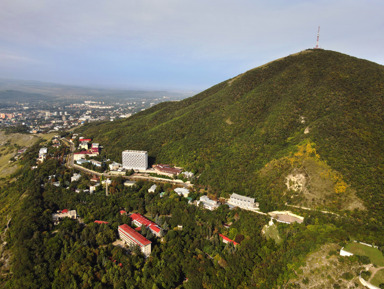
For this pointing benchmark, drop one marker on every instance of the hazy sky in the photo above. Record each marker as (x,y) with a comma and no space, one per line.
(175,44)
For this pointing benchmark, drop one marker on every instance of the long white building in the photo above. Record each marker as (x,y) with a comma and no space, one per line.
(243,202)
(135,160)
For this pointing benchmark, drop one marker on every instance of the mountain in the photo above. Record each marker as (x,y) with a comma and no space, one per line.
(304,130)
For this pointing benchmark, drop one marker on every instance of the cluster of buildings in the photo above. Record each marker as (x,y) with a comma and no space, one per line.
(42,154)
(59,215)
(88,149)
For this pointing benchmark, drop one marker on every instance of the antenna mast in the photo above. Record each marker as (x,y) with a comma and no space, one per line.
(318,36)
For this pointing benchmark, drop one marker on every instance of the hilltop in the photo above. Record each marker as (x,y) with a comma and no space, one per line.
(304,130)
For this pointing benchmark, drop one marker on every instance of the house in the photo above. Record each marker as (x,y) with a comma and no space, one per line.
(100,222)
(243,202)
(129,183)
(81,161)
(152,189)
(226,240)
(76,177)
(93,188)
(114,166)
(182,192)
(95,179)
(63,214)
(139,221)
(208,203)
(166,170)
(123,213)
(133,238)
(96,163)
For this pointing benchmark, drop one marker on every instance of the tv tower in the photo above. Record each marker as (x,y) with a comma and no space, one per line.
(318,36)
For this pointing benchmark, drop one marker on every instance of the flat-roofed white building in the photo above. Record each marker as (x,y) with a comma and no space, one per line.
(182,192)
(63,214)
(208,203)
(135,160)
(132,238)
(243,202)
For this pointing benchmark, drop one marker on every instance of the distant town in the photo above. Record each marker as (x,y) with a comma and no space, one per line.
(45,117)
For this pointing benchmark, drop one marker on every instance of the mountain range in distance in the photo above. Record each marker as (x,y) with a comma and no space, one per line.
(34,91)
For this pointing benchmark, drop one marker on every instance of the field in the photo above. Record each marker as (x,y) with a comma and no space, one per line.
(374,254)
(378,278)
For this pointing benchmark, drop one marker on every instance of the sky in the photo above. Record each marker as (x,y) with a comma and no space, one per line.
(186,45)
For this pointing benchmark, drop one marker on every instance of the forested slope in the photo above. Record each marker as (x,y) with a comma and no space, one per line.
(231,132)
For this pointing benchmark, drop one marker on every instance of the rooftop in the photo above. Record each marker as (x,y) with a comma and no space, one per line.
(139,239)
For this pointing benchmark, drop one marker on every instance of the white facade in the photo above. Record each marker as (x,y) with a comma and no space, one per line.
(152,189)
(135,160)
(132,238)
(208,203)
(243,202)
(75,177)
(182,192)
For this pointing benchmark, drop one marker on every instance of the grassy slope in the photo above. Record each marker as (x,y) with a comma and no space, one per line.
(229,132)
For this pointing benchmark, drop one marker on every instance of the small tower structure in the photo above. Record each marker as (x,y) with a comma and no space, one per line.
(318,36)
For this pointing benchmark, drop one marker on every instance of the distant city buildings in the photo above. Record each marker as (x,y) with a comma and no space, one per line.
(135,160)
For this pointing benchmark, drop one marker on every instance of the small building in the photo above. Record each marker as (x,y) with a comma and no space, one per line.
(182,192)
(114,166)
(63,214)
(76,177)
(133,238)
(208,203)
(81,161)
(93,188)
(152,189)
(83,154)
(96,163)
(129,183)
(100,222)
(243,202)
(226,240)
(123,213)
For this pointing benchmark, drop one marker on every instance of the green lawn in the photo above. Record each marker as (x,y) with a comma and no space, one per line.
(273,233)
(374,254)
(378,278)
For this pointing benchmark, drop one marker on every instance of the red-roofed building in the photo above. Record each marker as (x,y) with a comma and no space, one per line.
(85,139)
(139,221)
(101,222)
(227,240)
(64,211)
(123,213)
(166,170)
(131,237)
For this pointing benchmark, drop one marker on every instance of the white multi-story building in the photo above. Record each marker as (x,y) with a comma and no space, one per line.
(135,160)
(243,202)
(132,238)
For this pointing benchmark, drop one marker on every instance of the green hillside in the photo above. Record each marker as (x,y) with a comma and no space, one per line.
(316,113)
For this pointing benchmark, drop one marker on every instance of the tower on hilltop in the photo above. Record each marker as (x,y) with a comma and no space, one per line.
(318,36)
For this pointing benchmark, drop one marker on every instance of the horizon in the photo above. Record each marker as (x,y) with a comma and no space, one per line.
(187,46)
